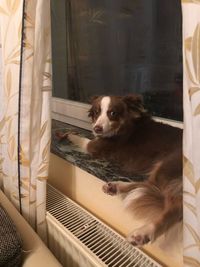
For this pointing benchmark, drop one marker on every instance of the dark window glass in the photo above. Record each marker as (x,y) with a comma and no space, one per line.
(119,47)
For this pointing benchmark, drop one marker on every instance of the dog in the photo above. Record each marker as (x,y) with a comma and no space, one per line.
(127,135)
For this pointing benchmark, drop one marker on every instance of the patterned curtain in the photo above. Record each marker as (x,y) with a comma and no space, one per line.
(191,142)
(25,106)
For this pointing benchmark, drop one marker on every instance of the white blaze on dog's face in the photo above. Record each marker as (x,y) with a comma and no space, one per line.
(102,125)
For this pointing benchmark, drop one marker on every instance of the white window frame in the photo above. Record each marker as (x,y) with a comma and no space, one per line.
(76,113)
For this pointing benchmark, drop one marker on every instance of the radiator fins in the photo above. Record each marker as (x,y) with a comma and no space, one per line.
(77,238)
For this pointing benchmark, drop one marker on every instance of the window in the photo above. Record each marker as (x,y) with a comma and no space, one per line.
(117,47)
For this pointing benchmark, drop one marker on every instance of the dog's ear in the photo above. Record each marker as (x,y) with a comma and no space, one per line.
(93,98)
(92,101)
(90,113)
(133,99)
(134,103)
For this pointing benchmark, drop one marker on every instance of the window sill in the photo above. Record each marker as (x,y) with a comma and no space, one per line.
(67,151)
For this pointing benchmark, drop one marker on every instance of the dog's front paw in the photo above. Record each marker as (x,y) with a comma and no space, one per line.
(110,188)
(66,135)
(60,135)
(141,236)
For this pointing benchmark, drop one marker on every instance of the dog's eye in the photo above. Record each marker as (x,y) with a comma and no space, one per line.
(113,113)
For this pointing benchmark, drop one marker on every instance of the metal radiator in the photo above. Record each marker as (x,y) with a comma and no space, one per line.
(77,238)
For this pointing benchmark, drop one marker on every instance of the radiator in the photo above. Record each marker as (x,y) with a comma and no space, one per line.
(77,238)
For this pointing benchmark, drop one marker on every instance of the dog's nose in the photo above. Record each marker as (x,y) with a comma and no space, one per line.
(98,129)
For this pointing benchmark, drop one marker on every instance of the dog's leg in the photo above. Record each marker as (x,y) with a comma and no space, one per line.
(81,142)
(148,233)
(114,188)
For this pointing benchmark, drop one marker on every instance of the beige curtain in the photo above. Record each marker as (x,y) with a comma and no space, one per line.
(191,142)
(25,105)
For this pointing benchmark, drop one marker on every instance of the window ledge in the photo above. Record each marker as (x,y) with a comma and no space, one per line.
(67,151)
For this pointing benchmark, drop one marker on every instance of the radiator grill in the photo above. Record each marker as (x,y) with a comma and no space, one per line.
(103,245)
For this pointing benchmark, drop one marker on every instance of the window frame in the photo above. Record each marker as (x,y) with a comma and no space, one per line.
(75,113)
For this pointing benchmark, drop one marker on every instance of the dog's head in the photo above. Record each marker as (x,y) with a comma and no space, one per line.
(111,114)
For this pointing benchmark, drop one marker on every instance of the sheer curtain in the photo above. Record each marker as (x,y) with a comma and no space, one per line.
(191,142)
(25,106)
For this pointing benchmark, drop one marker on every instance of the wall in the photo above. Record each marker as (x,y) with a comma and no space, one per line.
(85,189)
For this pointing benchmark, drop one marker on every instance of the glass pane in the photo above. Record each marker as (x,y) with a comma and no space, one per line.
(119,47)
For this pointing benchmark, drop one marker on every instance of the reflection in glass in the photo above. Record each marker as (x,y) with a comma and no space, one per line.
(119,47)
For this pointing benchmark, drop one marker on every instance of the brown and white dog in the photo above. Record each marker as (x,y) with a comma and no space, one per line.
(126,134)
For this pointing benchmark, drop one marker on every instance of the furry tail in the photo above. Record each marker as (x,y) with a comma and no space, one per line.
(145,201)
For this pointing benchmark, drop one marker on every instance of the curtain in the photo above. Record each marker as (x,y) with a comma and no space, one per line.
(191,142)
(25,123)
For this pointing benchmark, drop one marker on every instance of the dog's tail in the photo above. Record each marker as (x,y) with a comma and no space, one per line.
(145,201)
